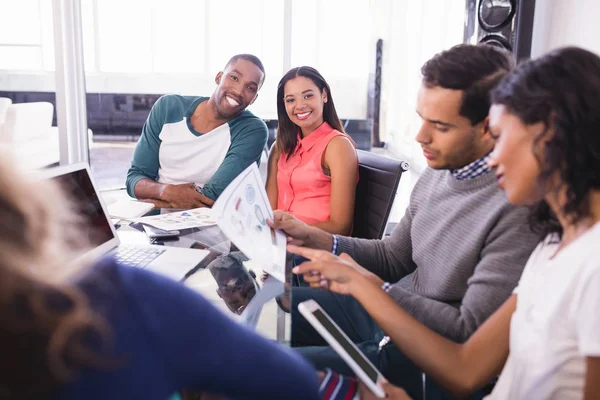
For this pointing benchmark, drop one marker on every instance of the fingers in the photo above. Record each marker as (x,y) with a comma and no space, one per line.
(279,215)
(200,204)
(301,251)
(206,201)
(282,220)
(394,392)
(324,284)
(311,254)
(318,282)
(391,392)
(277,218)
(275,223)
(157,203)
(295,242)
(307,268)
(313,277)
(365,393)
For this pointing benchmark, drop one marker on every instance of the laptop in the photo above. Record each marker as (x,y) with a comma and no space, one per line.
(77,182)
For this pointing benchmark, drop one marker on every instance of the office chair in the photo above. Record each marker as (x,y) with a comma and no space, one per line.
(375,193)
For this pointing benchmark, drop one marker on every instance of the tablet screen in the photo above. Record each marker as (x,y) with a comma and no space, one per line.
(356,355)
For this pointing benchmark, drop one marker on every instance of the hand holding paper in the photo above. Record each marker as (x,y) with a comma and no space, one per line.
(241,212)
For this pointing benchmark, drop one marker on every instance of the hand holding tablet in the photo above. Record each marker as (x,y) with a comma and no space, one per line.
(337,339)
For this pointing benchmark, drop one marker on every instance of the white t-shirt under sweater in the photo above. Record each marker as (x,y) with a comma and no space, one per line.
(171,151)
(556,324)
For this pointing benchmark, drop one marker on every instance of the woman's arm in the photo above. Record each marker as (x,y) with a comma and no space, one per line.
(272,175)
(592,379)
(460,368)
(341,161)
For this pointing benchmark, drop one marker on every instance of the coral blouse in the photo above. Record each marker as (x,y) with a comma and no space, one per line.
(303,189)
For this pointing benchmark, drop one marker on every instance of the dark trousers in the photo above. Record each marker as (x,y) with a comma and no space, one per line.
(298,280)
(353,319)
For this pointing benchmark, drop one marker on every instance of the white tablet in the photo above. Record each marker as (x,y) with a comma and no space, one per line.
(337,339)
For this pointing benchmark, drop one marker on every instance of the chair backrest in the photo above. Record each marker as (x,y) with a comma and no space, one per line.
(4,103)
(26,120)
(375,193)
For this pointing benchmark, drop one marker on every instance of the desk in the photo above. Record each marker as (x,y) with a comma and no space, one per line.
(226,278)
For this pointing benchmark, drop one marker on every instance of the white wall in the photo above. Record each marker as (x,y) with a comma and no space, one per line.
(559,23)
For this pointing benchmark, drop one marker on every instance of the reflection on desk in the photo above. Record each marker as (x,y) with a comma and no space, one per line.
(235,284)
(223,277)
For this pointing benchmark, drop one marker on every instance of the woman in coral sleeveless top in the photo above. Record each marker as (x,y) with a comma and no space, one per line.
(313,166)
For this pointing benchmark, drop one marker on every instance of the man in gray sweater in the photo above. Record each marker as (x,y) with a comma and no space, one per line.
(459,250)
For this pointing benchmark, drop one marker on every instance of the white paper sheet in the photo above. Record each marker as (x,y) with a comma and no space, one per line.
(128,209)
(195,218)
(241,212)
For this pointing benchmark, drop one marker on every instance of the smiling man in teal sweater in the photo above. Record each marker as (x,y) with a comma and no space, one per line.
(192,147)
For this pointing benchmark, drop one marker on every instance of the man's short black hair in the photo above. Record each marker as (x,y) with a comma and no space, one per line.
(248,57)
(474,69)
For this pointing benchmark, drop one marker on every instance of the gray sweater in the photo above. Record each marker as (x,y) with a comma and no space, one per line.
(456,255)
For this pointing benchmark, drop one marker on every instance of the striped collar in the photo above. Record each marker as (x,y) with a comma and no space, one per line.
(473,170)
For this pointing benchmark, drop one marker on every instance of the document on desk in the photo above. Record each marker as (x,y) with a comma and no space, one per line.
(195,218)
(241,212)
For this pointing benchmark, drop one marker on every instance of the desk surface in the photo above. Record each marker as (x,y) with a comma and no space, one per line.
(227,279)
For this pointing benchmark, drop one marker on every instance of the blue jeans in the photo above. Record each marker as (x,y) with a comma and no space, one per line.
(354,320)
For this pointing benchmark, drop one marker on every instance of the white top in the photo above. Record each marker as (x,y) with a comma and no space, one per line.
(556,324)
(184,157)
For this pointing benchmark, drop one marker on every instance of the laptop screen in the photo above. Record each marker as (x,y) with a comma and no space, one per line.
(78,186)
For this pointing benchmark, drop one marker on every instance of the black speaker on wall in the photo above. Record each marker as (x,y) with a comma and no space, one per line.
(503,23)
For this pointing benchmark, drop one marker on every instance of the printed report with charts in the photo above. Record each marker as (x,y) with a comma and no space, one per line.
(241,212)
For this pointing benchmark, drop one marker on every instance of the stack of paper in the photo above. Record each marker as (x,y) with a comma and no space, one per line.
(188,219)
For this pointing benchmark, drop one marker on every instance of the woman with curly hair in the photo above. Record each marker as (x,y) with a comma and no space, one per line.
(110,331)
(545,340)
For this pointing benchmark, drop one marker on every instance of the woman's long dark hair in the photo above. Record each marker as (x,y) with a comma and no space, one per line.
(561,90)
(287,131)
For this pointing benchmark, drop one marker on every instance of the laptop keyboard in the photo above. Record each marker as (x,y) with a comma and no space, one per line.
(137,256)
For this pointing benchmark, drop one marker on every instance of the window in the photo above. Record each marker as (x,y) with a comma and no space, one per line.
(179,36)
(20,35)
(335,42)
(160,46)
(124,35)
(242,26)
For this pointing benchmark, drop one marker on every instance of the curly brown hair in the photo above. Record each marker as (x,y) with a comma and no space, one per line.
(45,323)
(561,90)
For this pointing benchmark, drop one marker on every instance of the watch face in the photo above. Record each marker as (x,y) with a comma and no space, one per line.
(494,14)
